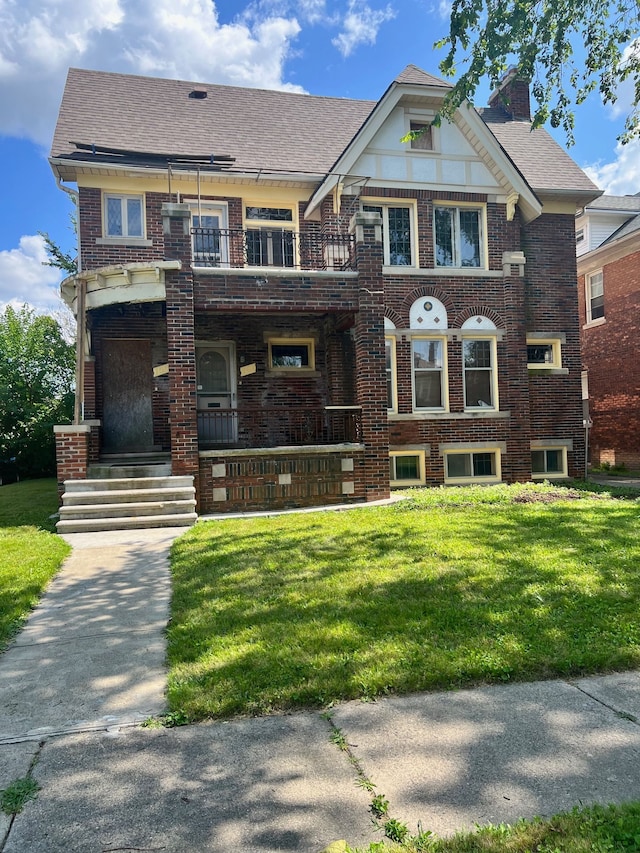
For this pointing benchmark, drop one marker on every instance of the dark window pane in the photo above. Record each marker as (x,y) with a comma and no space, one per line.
(597,307)
(537,462)
(477,353)
(428,385)
(407,468)
(399,236)
(444,236)
(459,465)
(289,355)
(483,464)
(478,391)
(554,461)
(273,214)
(469,238)
(540,353)
(114,217)
(134,217)
(425,141)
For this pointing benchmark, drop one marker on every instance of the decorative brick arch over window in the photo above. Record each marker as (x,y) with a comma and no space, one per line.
(468,319)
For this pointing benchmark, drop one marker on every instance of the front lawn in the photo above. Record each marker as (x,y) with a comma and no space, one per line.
(451,587)
(30,554)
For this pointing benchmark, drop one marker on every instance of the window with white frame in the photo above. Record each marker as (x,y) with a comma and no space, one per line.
(543,353)
(548,462)
(397,233)
(123,215)
(406,468)
(424,142)
(270,236)
(595,296)
(458,236)
(480,380)
(390,364)
(428,357)
(472,465)
(210,235)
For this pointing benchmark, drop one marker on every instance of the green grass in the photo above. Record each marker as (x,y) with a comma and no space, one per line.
(30,554)
(596,829)
(451,587)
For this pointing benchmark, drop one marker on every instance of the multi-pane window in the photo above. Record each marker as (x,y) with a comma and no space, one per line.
(270,246)
(123,216)
(458,237)
(390,364)
(396,233)
(480,465)
(406,468)
(428,373)
(595,296)
(479,373)
(544,353)
(549,462)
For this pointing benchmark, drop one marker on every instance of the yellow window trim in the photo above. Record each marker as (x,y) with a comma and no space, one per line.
(123,194)
(494,478)
(552,475)
(412,204)
(421,467)
(308,342)
(484,236)
(445,373)
(394,373)
(468,335)
(555,343)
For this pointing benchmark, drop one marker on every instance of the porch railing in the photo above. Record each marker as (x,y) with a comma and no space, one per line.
(278,426)
(272,247)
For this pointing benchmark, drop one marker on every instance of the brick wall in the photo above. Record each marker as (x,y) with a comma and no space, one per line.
(610,355)
(72,453)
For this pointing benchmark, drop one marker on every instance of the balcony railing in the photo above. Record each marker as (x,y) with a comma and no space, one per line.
(278,427)
(272,247)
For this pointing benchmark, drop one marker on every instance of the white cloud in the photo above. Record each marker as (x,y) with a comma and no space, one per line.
(360,26)
(40,39)
(25,279)
(622,176)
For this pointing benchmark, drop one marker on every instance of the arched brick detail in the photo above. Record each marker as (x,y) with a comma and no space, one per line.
(395,317)
(475,310)
(419,293)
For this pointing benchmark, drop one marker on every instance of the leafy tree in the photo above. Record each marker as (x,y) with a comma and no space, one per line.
(36,389)
(545,41)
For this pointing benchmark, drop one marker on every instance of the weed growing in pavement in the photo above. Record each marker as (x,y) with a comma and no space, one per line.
(15,795)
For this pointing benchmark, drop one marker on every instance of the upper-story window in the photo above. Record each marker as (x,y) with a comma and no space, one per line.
(424,142)
(459,236)
(270,238)
(210,235)
(397,233)
(595,296)
(123,216)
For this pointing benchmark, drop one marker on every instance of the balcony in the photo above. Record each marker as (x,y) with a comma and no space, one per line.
(277,248)
(278,427)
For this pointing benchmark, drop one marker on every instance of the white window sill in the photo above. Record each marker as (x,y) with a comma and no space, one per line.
(550,476)
(473,272)
(123,241)
(469,481)
(454,416)
(548,370)
(592,323)
(403,484)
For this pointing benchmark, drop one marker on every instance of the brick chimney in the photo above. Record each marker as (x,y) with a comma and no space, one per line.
(512,96)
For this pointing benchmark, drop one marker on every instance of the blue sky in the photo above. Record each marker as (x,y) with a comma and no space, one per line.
(344,48)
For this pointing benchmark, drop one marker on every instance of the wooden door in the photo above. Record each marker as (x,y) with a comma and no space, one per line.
(127,383)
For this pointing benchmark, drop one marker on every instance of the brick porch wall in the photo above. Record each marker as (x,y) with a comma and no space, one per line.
(72,453)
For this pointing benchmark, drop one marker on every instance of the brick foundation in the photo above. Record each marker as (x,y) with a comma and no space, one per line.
(72,453)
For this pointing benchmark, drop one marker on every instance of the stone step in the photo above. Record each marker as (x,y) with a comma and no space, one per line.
(95,525)
(123,510)
(119,471)
(101,485)
(89,498)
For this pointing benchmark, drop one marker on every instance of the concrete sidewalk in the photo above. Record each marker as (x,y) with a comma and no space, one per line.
(89,665)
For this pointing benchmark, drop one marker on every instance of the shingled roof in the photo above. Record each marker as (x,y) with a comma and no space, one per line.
(260,128)
(263,129)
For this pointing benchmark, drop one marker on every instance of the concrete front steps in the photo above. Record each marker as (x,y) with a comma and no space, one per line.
(125,503)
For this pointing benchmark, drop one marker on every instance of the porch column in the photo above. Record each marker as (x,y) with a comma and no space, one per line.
(181,342)
(370,364)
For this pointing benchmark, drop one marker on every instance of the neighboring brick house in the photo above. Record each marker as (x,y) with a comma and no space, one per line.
(608,248)
(294,307)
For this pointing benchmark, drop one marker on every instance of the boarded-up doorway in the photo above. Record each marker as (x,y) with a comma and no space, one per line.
(127,382)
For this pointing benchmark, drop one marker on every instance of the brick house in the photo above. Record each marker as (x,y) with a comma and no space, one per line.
(285,302)
(608,249)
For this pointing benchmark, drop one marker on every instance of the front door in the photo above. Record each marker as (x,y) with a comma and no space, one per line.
(127,388)
(216,390)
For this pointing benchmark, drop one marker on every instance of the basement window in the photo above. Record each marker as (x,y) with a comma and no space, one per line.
(406,468)
(291,354)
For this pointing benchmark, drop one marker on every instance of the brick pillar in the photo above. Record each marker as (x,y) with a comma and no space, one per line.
(72,453)
(518,467)
(181,343)
(371,381)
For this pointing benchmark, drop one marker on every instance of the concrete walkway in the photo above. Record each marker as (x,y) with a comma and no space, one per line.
(89,666)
